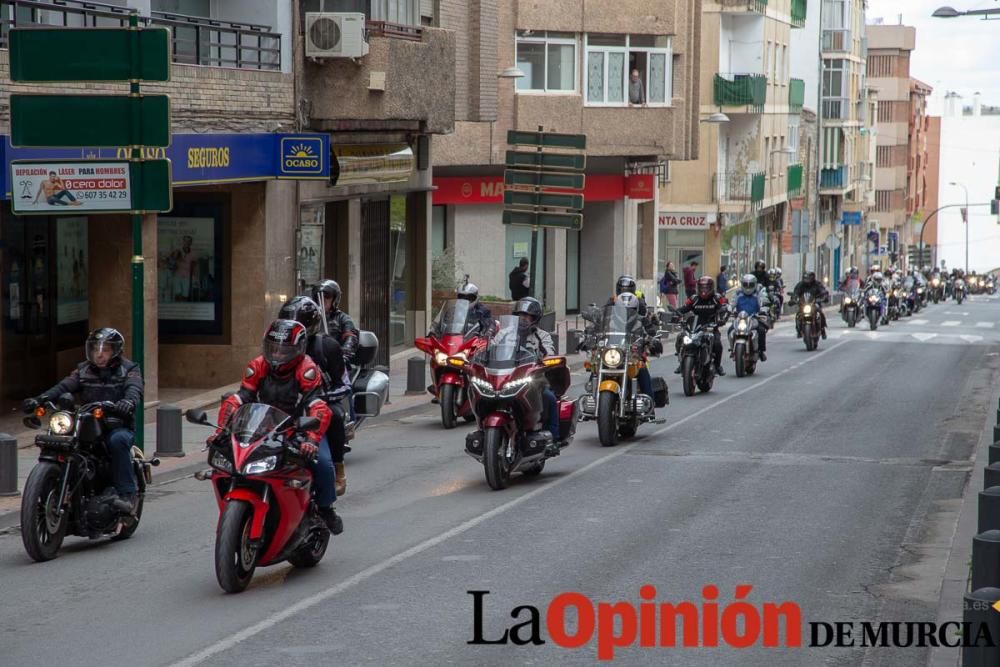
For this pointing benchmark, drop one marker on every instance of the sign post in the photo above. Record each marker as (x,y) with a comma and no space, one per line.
(544,188)
(138,186)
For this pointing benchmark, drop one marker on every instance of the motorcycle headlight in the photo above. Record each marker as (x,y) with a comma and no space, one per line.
(266,464)
(483,387)
(847,300)
(807,309)
(742,325)
(612,357)
(440,358)
(935,282)
(61,423)
(514,386)
(873,299)
(219,460)
(687,340)
(920,290)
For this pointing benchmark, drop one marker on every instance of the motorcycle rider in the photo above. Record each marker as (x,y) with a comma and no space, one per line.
(820,295)
(340,325)
(326,352)
(631,301)
(107,376)
(877,281)
(749,299)
(763,277)
(851,281)
(707,307)
(286,378)
(538,341)
(477,311)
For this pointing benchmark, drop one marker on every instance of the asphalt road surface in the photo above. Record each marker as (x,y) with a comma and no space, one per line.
(830,479)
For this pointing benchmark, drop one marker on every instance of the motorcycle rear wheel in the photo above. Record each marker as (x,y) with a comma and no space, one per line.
(494,461)
(312,552)
(235,559)
(607,418)
(132,524)
(627,429)
(41,531)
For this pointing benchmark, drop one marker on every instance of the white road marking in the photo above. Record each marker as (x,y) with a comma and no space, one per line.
(950,323)
(315,599)
(971,339)
(924,337)
(917,321)
(985,325)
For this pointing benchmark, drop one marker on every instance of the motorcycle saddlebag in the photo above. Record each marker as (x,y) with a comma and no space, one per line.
(569,415)
(370,392)
(661,395)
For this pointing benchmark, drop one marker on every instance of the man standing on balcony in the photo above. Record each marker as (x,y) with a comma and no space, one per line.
(636,91)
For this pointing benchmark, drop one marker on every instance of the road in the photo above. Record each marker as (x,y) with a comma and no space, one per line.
(829,479)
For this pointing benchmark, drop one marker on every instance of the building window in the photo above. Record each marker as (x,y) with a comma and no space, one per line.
(403,12)
(883,201)
(548,60)
(439,230)
(611,60)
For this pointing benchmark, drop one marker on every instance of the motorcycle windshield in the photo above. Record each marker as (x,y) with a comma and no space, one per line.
(908,284)
(253,421)
(507,350)
(454,318)
(852,285)
(618,323)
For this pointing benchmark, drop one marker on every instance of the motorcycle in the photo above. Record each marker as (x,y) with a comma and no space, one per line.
(697,368)
(69,490)
(262,486)
(990,287)
(369,387)
(743,346)
(613,397)
(849,309)
(960,291)
(453,334)
(937,289)
(873,307)
(506,382)
(807,321)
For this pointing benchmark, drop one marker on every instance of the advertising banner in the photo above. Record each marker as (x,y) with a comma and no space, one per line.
(78,186)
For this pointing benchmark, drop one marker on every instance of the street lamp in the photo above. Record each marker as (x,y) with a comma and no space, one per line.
(951,13)
(715,118)
(965,217)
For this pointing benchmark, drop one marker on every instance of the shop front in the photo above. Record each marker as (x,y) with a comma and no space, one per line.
(689,236)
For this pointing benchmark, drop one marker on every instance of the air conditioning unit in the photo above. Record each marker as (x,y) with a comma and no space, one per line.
(335,35)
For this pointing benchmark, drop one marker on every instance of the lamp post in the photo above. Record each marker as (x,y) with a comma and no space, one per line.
(965,219)
(951,12)
(935,212)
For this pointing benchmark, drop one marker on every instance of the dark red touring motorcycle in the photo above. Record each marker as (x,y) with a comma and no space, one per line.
(506,382)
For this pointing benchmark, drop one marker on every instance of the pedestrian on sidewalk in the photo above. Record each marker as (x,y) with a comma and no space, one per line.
(691,279)
(520,281)
(669,284)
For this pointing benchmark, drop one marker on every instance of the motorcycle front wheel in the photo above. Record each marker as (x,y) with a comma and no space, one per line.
(740,359)
(495,460)
(852,318)
(687,373)
(808,337)
(448,397)
(607,418)
(235,557)
(42,527)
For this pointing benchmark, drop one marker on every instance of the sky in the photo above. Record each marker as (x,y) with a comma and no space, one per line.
(960,54)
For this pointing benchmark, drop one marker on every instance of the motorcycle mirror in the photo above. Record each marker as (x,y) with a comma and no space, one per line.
(307,423)
(197,417)
(65,401)
(32,422)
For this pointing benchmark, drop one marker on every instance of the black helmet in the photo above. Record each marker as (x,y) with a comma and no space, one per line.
(809,278)
(626,283)
(759,266)
(284,345)
(101,339)
(706,287)
(304,310)
(327,292)
(529,305)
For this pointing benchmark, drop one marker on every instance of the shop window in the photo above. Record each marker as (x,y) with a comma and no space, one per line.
(518,245)
(439,230)
(190,255)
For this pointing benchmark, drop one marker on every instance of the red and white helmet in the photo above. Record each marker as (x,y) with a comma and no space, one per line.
(285,345)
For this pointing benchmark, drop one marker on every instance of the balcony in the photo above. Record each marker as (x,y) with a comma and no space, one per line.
(794,180)
(745,6)
(741,90)
(417,65)
(796,95)
(729,187)
(836,41)
(833,179)
(798,13)
(836,108)
(194,40)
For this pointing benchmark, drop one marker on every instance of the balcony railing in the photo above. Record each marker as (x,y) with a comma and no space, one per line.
(796,95)
(758,6)
(833,178)
(794,180)
(741,90)
(732,186)
(194,40)
(798,13)
(394,30)
(836,40)
(836,108)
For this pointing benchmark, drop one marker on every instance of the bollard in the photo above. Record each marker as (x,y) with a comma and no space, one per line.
(994,452)
(981,627)
(986,560)
(415,376)
(989,509)
(8,465)
(169,440)
(991,477)
(573,338)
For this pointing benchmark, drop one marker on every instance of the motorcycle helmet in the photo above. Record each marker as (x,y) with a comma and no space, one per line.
(628,300)
(706,287)
(326,293)
(626,283)
(809,278)
(469,292)
(778,270)
(772,273)
(749,284)
(529,311)
(877,278)
(304,310)
(102,340)
(284,345)
(759,266)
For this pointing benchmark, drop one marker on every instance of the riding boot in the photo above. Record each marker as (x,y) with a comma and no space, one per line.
(340,483)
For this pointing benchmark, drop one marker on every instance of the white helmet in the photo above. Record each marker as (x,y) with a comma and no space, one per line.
(469,292)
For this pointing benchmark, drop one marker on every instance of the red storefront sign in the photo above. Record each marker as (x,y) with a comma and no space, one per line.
(640,186)
(459,190)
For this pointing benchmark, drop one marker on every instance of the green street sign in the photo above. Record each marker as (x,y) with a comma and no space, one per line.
(532,219)
(63,187)
(80,121)
(89,54)
(543,179)
(556,161)
(535,199)
(547,139)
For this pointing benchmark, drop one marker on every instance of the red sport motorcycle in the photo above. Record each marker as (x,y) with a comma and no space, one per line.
(453,335)
(262,484)
(506,382)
